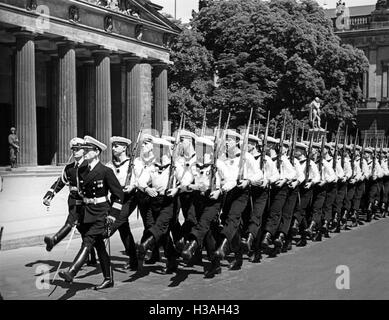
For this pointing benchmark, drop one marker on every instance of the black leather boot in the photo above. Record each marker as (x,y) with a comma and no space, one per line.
(53,240)
(376,210)
(383,210)
(325,229)
(247,243)
(221,252)
(79,260)
(311,229)
(154,257)
(280,241)
(369,212)
(318,236)
(148,244)
(266,242)
(189,250)
(237,263)
(92,262)
(214,269)
(132,263)
(180,244)
(295,228)
(105,264)
(256,257)
(302,242)
(354,219)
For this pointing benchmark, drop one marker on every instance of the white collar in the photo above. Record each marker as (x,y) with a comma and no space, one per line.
(93,164)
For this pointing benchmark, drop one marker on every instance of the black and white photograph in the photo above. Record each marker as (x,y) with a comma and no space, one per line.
(194,154)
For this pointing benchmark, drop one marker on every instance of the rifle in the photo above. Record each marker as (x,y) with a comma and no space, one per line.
(381,151)
(353,155)
(133,154)
(344,147)
(374,155)
(307,167)
(279,154)
(293,143)
(302,133)
(212,176)
(323,138)
(243,151)
(335,160)
(264,142)
(173,155)
(362,152)
(204,125)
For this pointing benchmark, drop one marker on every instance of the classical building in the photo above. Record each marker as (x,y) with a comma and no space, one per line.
(367,28)
(75,67)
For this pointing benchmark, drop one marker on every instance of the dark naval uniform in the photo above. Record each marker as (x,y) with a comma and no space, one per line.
(68,177)
(94,186)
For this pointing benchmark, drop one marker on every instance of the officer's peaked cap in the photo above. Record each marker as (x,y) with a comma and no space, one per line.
(147,137)
(168,138)
(187,134)
(76,142)
(232,133)
(161,142)
(120,140)
(301,145)
(90,141)
(253,138)
(205,141)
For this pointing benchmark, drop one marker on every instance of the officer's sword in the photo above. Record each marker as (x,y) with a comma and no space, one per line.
(60,264)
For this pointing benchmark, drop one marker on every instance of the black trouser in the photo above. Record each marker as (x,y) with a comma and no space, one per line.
(278,197)
(373,191)
(360,188)
(206,210)
(122,224)
(234,205)
(385,190)
(305,203)
(288,209)
(329,200)
(253,215)
(351,188)
(157,216)
(189,213)
(319,196)
(340,196)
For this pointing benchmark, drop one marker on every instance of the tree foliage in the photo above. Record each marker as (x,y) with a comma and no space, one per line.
(275,55)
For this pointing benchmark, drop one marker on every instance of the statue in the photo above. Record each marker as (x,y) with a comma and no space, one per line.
(314,113)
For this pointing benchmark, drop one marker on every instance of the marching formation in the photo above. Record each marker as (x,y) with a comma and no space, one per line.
(240,194)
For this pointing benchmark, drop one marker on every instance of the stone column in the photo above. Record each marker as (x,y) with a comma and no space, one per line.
(133,98)
(103,101)
(54,77)
(160,97)
(90,98)
(67,104)
(372,83)
(26,99)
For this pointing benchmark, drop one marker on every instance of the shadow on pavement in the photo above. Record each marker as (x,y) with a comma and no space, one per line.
(145,271)
(181,276)
(72,288)
(52,263)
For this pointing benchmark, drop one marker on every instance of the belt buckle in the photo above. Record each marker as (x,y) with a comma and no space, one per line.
(94,201)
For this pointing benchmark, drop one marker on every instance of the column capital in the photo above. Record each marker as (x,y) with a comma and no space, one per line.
(67,44)
(100,54)
(23,36)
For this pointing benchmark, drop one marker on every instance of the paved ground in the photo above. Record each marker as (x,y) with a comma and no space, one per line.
(303,273)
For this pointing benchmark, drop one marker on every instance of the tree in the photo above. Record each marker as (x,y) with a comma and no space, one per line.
(275,55)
